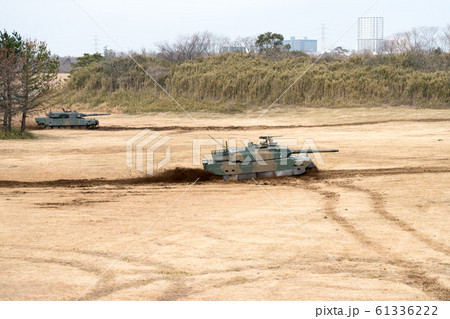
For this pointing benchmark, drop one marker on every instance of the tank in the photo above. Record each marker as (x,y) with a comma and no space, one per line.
(68,119)
(265,159)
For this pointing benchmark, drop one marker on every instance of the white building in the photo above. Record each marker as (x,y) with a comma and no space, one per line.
(370,34)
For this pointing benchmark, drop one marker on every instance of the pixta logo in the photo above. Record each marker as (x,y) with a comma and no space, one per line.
(141,148)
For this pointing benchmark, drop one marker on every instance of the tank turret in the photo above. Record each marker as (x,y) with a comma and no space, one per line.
(264,159)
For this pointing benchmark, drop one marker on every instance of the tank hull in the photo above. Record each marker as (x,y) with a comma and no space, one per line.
(292,165)
(48,122)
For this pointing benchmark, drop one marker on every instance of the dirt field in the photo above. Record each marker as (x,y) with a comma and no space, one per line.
(371,223)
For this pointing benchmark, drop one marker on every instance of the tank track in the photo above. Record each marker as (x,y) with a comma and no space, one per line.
(288,172)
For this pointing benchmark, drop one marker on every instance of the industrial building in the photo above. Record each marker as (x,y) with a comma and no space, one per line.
(305,44)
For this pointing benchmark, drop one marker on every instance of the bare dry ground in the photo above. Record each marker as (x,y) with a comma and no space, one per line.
(372,223)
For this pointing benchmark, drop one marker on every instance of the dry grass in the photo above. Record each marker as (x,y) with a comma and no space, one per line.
(231,83)
(379,207)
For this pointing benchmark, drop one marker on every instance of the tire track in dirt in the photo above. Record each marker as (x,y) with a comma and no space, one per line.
(314,175)
(261,127)
(106,286)
(188,175)
(60,262)
(352,173)
(104,289)
(176,291)
(411,274)
(380,209)
(91,253)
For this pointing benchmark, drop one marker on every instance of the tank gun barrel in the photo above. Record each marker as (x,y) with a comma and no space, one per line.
(314,151)
(97,114)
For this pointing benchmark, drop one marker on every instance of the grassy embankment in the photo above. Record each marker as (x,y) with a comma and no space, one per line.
(15,134)
(238,82)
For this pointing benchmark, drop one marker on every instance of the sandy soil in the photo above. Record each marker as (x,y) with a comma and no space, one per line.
(371,223)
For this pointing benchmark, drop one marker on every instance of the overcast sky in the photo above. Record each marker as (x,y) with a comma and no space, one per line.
(137,24)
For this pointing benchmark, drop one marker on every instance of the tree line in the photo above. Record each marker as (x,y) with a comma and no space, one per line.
(238,81)
(28,74)
(419,40)
(423,40)
(204,44)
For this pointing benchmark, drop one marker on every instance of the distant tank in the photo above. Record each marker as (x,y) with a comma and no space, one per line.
(266,159)
(68,119)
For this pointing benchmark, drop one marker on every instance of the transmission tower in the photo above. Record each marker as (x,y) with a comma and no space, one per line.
(324,45)
(96,44)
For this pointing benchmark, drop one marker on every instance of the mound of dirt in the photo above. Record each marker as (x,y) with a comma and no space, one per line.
(177,175)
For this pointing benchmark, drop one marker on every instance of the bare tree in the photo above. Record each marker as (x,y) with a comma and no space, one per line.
(219,43)
(28,74)
(247,42)
(8,85)
(417,40)
(409,41)
(401,42)
(38,77)
(10,46)
(429,38)
(445,38)
(412,41)
(187,47)
(389,46)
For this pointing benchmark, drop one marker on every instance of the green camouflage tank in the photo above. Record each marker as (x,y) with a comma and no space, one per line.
(68,119)
(265,159)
